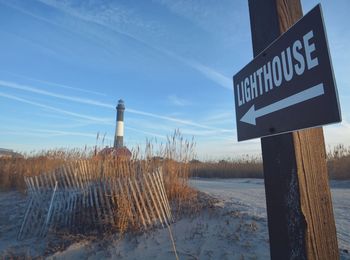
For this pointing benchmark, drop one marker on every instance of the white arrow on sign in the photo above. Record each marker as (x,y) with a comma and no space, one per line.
(252,114)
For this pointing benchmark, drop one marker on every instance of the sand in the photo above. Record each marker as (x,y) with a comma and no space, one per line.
(234,227)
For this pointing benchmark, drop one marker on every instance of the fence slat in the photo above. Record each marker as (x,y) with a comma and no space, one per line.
(156,192)
(142,201)
(148,200)
(107,199)
(154,201)
(137,204)
(165,197)
(48,216)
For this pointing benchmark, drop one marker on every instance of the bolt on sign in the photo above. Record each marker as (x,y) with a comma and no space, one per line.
(290,85)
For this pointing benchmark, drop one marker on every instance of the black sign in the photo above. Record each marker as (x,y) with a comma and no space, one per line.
(288,86)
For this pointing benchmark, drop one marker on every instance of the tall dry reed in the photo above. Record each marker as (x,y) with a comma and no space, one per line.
(338,160)
(13,170)
(246,167)
(172,157)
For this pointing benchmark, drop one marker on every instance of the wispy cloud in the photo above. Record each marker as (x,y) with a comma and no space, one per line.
(220,117)
(69,113)
(23,133)
(204,14)
(56,84)
(111,18)
(118,18)
(52,94)
(112,21)
(206,133)
(216,116)
(47,133)
(88,33)
(67,133)
(146,132)
(58,110)
(61,121)
(27,41)
(95,103)
(210,73)
(177,120)
(177,101)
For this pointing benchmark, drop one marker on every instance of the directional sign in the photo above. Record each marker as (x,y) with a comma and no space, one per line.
(288,86)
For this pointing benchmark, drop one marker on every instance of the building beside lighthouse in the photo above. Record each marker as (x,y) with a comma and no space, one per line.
(118,150)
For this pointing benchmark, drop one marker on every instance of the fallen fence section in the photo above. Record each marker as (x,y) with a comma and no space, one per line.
(86,194)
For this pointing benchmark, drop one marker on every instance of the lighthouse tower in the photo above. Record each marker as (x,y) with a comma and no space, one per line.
(118,150)
(119,130)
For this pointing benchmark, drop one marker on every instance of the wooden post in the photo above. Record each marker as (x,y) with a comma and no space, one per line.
(299,205)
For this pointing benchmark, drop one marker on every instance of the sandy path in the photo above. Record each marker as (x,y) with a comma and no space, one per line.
(248,195)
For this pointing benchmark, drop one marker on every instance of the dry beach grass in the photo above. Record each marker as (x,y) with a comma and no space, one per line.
(172,157)
(175,158)
(338,162)
(247,167)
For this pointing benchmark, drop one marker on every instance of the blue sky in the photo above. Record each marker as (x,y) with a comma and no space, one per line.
(65,64)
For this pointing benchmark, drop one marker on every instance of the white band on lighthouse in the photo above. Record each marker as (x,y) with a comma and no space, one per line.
(120,128)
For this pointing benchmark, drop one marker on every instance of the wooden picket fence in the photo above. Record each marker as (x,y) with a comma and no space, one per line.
(92,194)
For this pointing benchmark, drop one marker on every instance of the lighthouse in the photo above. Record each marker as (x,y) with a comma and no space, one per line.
(119,130)
(118,150)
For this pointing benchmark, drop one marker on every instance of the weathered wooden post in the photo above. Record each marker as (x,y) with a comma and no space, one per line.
(299,206)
